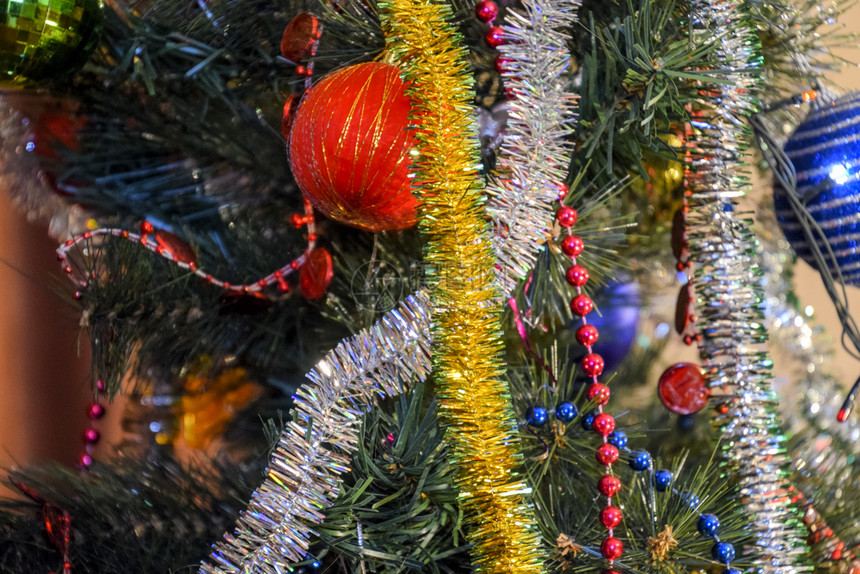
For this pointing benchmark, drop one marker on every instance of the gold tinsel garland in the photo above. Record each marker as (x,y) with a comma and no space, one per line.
(468,363)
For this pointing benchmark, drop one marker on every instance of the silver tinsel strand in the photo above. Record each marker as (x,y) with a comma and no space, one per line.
(728,294)
(534,153)
(317,444)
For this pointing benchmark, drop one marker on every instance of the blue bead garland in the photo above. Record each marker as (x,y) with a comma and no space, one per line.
(708,525)
(640,460)
(663,480)
(723,552)
(566,412)
(588,420)
(618,439)
(536,416)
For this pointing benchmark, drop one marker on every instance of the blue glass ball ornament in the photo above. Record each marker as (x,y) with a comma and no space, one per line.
(691,499)
(587,421)
(686,422)
(566,412)
(640,460)
(620,303)
(618,439)
(663,480)
(708,525)
(536,416)
(825,151)
(723,552)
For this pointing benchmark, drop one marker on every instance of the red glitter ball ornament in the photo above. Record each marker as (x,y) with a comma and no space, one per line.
(587,335)
(612,548)
(682,389)
(315,275)
(611,516)
(603,424)
(582,305)
(349,148)
(592,365)
(572,245)
(494,37)
(606,454)
(577,275)
(566,216)
(486,11)
(609,485)
(599,392)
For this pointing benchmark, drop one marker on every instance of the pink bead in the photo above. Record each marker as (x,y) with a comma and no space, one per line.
(606,454)
(91,436)
(85,460)
(494,37)
(587,335)
(582,305)
(486,11)
(611,516)
(603,424)
(566,216)
(592,365)
(95,411)
(599,392)
(577,276)
(572,246)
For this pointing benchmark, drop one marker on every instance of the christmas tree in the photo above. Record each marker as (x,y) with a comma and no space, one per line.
(386,284)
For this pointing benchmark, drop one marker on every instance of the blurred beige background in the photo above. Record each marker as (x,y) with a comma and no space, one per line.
(44,369)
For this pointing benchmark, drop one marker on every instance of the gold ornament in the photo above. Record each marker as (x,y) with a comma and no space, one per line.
(475,401)
(660,545)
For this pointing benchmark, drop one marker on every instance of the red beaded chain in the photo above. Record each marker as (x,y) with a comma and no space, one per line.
(95,411)
(174,249)
(592,365)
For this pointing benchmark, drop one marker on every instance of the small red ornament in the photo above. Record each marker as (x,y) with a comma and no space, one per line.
(606,454)
(582,305)
(587,335)
(592,365)
(566,216)
(577,275)
(682,309)
(500,64)
(349,148)
(572,246)
(611,516)
(599,392)
(609,485)
(682,389)
(562,190)
(612,548)
(178,248)
(494,37)
(486,11)
(603,424)
(300,36)
(315,275)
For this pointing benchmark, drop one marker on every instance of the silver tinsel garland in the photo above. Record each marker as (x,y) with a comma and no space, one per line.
(534,154)
(728,293)
(317,444)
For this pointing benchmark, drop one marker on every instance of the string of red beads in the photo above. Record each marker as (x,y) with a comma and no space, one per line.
(95,411)
(592,365)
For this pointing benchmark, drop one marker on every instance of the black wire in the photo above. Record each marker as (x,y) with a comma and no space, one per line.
(784,174)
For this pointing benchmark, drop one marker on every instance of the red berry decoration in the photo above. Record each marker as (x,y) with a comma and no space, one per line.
(611,516)
(300,36)
(572,246)
(494,37)
(577,276)
(599,392)
(609,485)
(606,454)
(587,335)
(566,216)
(349,148)
(316,274)
(486,11)
(603,424)
(582,305)
(592,365)
(682,389)
(612,548)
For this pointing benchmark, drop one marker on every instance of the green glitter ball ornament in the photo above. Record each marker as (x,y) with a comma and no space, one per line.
(45,39)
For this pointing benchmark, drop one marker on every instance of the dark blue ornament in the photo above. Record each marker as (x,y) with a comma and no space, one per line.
(708,525)
(723,552)
(536,416)
(588,420)
(686,422)
(640,460)
(663,480)
(566,412)
(825,151)
(618,439)
(691,499)
(732,571)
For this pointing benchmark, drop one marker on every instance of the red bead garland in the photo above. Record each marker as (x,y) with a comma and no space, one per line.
(593,365)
